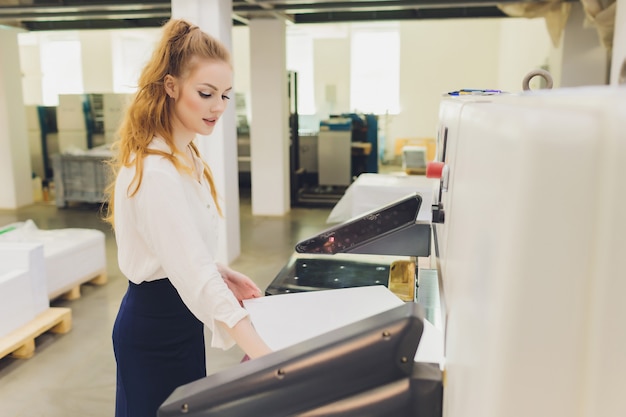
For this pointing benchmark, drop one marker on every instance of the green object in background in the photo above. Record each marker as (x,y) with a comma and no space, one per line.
(8,229)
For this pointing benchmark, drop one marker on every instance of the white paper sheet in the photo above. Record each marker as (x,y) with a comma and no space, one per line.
(287,319)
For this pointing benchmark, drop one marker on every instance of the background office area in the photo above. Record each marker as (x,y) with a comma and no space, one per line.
(399,71)
(396,70)
(372,67)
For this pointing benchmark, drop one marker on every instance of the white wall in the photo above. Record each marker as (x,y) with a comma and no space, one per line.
(447,55)
(96,52)
(438,57)
(524,46)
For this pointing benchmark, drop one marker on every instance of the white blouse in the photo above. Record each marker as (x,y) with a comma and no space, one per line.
(169,229)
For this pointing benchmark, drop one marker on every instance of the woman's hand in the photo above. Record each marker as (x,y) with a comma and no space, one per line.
(241,285)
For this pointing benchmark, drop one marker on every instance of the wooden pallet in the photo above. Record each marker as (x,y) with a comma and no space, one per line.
(74,292)
(20,343)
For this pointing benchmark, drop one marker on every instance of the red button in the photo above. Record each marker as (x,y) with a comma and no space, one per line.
(434,169)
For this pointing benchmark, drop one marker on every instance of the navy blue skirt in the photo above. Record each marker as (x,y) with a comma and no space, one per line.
(158,345)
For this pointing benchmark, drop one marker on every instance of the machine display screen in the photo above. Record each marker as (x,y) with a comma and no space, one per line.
(365,228)
(310,274)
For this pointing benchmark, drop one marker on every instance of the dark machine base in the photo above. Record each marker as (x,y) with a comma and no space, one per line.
(366,368)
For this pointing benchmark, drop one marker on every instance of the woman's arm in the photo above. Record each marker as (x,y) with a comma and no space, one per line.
(243,332)
(246,336)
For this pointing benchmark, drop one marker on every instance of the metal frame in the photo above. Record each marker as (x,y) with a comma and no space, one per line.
(85,14)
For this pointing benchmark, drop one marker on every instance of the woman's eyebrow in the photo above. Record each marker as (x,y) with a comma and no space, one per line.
(214,87)
(210,86)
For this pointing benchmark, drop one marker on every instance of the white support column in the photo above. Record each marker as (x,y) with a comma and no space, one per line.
(584,59)
(618,61)
(220,148)
(30,64)
(15,171)
(269,128)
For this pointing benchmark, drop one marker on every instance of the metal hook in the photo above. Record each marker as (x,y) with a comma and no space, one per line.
(538,72)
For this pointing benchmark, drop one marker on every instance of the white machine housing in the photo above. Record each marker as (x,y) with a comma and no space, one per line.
(529,252)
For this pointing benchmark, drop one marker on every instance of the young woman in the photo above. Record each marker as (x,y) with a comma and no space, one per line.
(165,210)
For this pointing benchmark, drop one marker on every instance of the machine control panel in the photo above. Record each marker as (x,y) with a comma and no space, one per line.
(364,229)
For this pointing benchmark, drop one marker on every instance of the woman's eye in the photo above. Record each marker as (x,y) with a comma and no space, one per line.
(203,95)
(225,98)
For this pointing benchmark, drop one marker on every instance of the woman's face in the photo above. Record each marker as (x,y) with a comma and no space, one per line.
(200,98)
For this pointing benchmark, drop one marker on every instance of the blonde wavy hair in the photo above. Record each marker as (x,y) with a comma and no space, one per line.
(148,114)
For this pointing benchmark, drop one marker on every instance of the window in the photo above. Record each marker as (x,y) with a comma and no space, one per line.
(300,60)
(131,51)
(375,70)
(61,66)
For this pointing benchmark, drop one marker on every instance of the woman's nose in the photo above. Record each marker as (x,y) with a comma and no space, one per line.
(219,105)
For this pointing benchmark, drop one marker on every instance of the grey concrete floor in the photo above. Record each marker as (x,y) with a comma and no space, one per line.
(73,374)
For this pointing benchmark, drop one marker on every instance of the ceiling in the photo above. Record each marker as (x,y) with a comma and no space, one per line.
(109,14)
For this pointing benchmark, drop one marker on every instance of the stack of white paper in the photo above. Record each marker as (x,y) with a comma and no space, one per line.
(72,256)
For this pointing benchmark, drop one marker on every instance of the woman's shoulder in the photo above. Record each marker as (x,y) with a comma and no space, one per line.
(159,165)
(154,166)
(159,144)
(159,157)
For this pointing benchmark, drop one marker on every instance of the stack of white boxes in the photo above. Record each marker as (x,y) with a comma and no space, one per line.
(71,123)
(414,159)
(23,287)
(114,106)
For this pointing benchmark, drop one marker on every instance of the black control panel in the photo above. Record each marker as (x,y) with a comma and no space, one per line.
(364,229)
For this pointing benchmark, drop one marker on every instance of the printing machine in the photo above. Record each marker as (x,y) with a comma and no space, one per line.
(528,250)
(527,237)
(325,376)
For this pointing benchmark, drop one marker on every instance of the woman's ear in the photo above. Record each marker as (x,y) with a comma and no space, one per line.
(171,86)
